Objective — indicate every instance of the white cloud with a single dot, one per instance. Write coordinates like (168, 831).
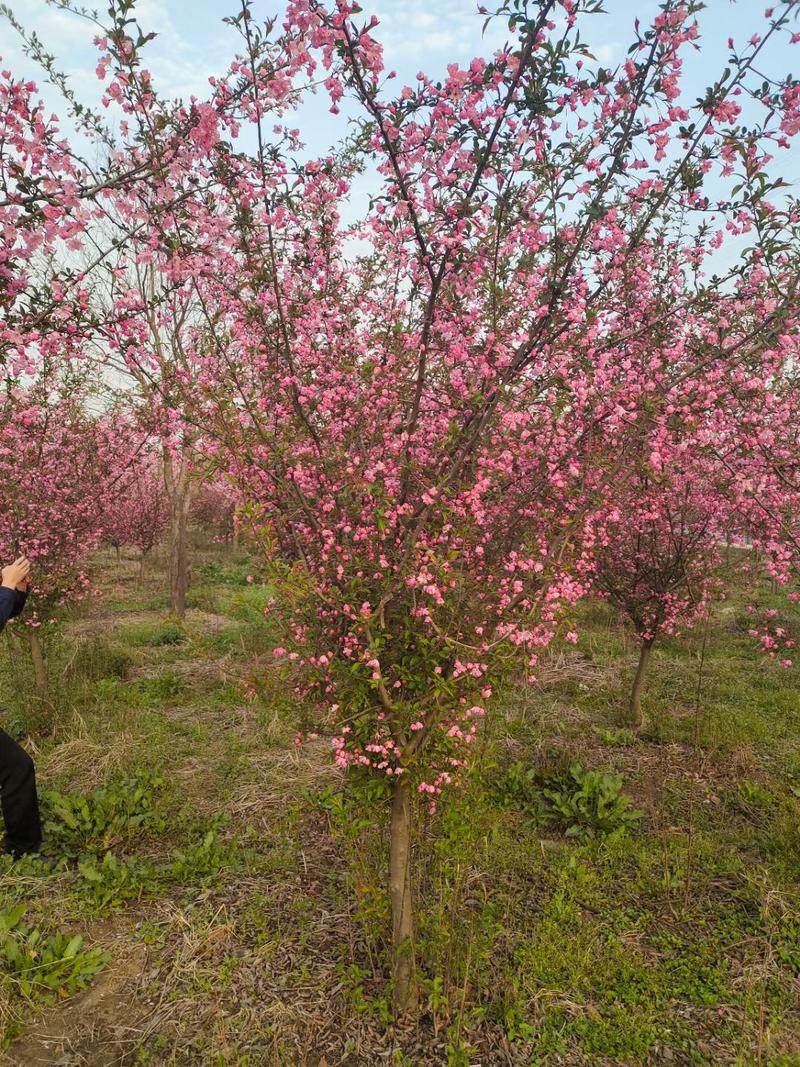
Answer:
(179, 66)
(417, 29)
(607, 54)
(61, 29)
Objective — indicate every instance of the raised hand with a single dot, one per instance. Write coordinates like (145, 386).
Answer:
(17, 574)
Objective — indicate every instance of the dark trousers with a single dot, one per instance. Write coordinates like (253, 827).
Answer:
(18, 798)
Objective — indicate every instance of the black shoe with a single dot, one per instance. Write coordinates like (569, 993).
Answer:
(18, 851)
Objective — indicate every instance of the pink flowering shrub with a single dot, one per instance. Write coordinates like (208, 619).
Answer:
(135, 509)
(776, 639)
(213, 508)
(52, 485)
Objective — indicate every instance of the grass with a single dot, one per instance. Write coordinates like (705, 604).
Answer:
(589, 896)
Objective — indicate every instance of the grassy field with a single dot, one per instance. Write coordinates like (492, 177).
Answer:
(219, 897)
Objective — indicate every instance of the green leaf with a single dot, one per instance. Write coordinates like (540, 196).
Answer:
(73, 947)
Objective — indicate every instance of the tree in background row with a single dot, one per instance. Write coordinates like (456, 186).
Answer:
(53, 483)
(137, 510)
(214, 509)
(656, 543)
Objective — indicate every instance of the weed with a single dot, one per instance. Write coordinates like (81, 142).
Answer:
(520, 787)
(204, 861)
(250, 604)
(155, 634)
(227, 573)
(591, 804)
(169, 634)
(45, 967)
(621, 736)
(355, 980)
(161, 687)
(109, 883)
(347, 809)
(459, 1053)
(754, 799)
(583, 803)
(94, 822)
(787, 948)
(98, 658)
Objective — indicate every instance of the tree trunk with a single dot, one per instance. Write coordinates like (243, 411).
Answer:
(119, 555)
(635, 707)
(405, 994)
(39, 666)
(179, 491)
(179, 568)
(235, 540)
(141, 567)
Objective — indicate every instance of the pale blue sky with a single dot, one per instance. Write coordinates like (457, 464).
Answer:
(193, 43)
(427, 34)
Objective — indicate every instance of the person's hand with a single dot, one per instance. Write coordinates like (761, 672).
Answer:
(17, 574)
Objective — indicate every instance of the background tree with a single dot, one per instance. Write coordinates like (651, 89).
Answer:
(148, 339)
(138, 511)
(655, 555)
(52, 488)
(214, 509)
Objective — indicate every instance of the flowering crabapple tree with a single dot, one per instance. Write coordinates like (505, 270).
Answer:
(655, 554)
(653, 545)
(214, 509)
(433, 475)
(777, 641)
(54, 209)
(764, 462)
(146, 339)
(764, 465)
(41, 211)
(52, 484)
(64, 218)
(418, 404)
(137, 512)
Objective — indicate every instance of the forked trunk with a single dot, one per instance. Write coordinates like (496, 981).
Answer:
(405, 994)
(39, 666)
(635, 716)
